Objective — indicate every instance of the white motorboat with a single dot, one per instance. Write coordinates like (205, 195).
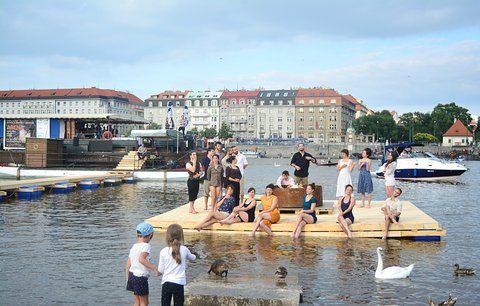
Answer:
(420, 166)
(158, 175)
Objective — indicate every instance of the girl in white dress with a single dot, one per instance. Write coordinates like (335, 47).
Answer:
(389, 173)
(344, 168)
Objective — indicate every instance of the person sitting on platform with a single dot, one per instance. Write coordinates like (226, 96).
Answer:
(143, 152)
(245, 211)
(223, 209)
(285, 180)
(307, 215)
(270, 213)
(345, 217)
(392, 210)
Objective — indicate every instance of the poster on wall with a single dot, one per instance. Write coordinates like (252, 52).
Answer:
(17, 131)
(43, 128)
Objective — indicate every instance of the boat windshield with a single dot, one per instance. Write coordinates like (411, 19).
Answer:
(407, 154)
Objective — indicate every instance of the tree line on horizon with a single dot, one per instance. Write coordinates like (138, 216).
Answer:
(413, 126)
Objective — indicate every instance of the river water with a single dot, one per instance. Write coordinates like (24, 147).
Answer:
(71, 249)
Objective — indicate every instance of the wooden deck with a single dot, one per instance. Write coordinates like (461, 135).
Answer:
(369, 222)
(6, 185)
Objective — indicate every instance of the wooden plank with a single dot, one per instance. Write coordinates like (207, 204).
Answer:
(10, 185)
(369, 222)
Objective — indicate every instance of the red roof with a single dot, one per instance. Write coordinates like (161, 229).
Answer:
(317, 92)
(239, 94)
(70, 92)
(458, 129)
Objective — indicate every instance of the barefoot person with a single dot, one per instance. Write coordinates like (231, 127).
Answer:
(194, 169)
(345, 216)
(206, 182)
(270, 213)
(307, 215)
(344, 168)
(245, 211)
(389, 173)
(365, 184)
(392, 210)
(214, 177)
(223, 208)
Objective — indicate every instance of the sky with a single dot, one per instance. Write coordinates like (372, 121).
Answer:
(403, 55)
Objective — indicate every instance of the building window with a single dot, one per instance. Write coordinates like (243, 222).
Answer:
(333, 101)
(277, 94)
(310, 101)
(301, 102)
(310, 109)
(300, 110)
(269, 94)
(285, 94)
(321, 101)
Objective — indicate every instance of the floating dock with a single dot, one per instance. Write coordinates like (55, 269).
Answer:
(49, 181)
(369, 223)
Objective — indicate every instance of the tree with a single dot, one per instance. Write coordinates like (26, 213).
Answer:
(224, 132)
(379, 123)
(443, 116)
(209, 133)
(153, 126)
(424, 137)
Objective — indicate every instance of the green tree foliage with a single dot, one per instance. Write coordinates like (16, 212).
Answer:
(224, 132)
(153, 126)
(379, 123)
(424, 137)
(443, 116)
(411, 124)
(209, 133)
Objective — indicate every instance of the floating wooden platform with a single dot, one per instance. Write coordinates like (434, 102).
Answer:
(49, 181)
(369, 222)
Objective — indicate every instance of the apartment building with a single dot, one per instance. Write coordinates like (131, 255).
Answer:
(238, 111)
(276, 113)
(204, 109)
(323, 114)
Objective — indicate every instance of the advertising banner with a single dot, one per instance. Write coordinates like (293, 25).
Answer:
(17, 131)
(43, 128)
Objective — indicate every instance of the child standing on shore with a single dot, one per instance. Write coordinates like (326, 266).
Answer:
(172, 265)
(138, 261)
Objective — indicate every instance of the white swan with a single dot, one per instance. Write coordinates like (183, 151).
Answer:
(390, 272)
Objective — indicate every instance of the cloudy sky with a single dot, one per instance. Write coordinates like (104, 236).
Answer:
(403, 55)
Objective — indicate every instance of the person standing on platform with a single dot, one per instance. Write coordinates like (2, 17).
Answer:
(218, 150)
(344, 168)
(194, 174)
(365, 184)
(301, 161)
(225, 163)
(242, 164)
(215, 177)
(206, 183)
(389, 173)
(233, 177)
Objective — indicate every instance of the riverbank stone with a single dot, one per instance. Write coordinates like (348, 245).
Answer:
(257, 290)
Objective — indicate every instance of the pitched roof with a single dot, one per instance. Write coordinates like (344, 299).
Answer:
(317, 92)
(69, 93)
(240, 93)
(458, 129)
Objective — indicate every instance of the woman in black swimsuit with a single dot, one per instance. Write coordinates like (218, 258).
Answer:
(245, 211)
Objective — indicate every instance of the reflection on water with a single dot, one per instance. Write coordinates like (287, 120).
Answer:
(72, 248)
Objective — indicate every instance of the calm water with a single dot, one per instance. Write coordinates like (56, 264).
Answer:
(71, 249)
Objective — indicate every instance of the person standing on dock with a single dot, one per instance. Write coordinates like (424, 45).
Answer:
(194, 169)
(215, 177)
(138, 263)
(218, 150)
(389, 173)
(344, 168)
(301, 161)
(206, 183)
(365, 184)
(242, 164)
(233, 177)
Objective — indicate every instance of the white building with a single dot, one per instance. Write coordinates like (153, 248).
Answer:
(457, 135)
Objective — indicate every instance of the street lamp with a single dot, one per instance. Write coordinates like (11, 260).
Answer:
(434, 123)
(378, 137)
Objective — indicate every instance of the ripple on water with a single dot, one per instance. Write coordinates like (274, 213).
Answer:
(63, 246)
